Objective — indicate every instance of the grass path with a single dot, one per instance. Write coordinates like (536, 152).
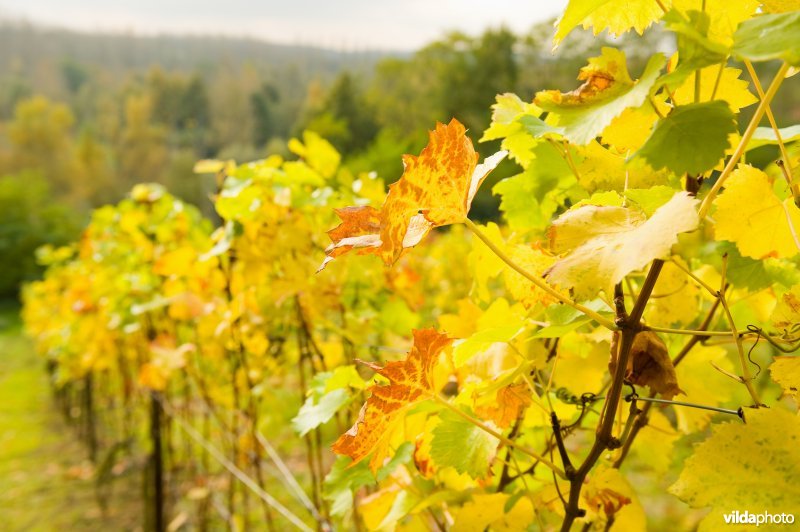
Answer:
(46, 482)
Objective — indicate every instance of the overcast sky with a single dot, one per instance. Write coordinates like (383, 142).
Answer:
(350, 24)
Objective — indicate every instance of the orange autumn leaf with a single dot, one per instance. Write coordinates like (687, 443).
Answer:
(410, 381)
(510, 402)
(436, 189)
(359, 229)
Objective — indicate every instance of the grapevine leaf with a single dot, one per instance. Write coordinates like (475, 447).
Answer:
(752, 465)
(649, 364)
(617, 16)
(360, 229)
(785, 370)
(317, 152)
(607, 243)
(675, 298)
(779, 6)
(535, 261)
(313, 414)
(755, 275)
(345, 477)
(628, 131)
(510, 402)
(767, 37)
(724, 16)
(500, 323)
(752, 216)
(603, 169)
(529, 200)
(729, 88)
(650, 199)
(342, 480)
(704, 385)
(462, 445)
(608, 495)
(606, 92)
(439, 184)
(410, 381)
(787, 312)
(692, 139)
(436, 188)
(695, 49)
(764, 136)
(487, 511)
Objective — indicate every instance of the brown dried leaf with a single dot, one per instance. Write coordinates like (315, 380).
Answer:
(649, 364)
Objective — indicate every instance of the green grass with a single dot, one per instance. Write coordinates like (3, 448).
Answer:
(46, 482)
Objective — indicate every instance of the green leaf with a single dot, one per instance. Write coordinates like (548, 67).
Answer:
(538, 127)
(462, 445)
(312, 415)
(585, 113)
(692, 139)
(695, 49)
(753, 466)
(401, 456)
(769, 37)
(343, 478)
(650, 199)
(764, 136)
(529, 200)
(754, 275)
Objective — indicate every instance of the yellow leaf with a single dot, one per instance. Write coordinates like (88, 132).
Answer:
(510, 402)
(607, 243)
(410, 381)
(753, 466)
(675, 297)
(714, 86)
(787, 312)
(628, 131)
(703, 385)
(463, 324)
(487, 511)
(178, 262)
(602, 169)
(785, 370)
(780, 6)
(751, 215)
(617, 16)
(609, 495)
(484, 263)
(318, 153)
(655, 442)
(534, 260)
(724, 15)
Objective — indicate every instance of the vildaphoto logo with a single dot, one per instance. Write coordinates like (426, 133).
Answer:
(747, 518)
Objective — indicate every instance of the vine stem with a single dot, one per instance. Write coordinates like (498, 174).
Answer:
(746, 136)
(603, 440)
(510, 443)
(746, 378)
(605, 322)
(787, 168)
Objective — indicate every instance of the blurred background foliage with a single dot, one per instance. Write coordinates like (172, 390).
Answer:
(83, 117)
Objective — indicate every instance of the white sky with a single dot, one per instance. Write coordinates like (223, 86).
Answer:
(349, 24)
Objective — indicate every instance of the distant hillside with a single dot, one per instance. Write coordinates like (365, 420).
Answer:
(25, 46)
